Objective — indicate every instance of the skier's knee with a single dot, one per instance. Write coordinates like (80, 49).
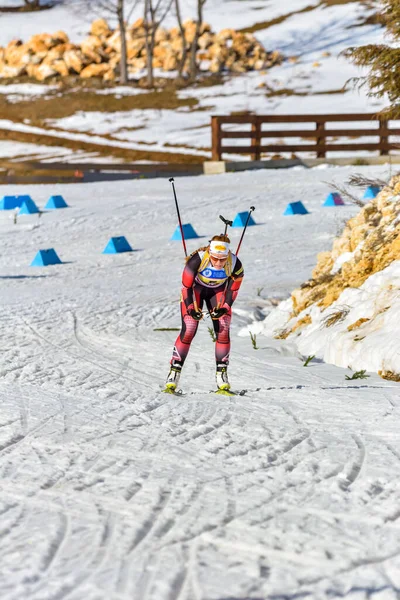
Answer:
(189, 331)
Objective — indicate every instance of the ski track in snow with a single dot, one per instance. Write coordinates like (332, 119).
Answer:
(111, 489)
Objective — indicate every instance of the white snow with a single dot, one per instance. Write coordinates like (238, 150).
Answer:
(339, 262)
(372, 346)
(113, 490)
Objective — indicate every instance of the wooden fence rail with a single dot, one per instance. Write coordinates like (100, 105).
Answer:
(323, 138)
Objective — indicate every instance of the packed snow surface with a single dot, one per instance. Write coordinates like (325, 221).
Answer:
(111, 489)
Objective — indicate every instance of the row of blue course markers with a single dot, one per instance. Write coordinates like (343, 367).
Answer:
(120, 244)
(26, 205)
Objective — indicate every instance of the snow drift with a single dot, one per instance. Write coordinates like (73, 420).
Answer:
(348, 313)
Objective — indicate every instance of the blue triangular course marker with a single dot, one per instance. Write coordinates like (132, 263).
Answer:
(9, 203)
(24, 198)
(28, 207)
(296, 208)
(46, 257)
(371, 192)
(188, 232)
(334, 199)
(241, 218)
(56, 202)
(116, 245)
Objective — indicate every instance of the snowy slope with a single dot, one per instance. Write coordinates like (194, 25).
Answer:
(112, 490)
(356, 325)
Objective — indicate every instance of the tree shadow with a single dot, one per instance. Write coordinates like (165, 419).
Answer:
(22, 276)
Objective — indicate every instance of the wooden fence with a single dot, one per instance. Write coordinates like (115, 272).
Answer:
(323, 139)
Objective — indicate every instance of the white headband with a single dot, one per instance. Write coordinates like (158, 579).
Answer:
(219, 249)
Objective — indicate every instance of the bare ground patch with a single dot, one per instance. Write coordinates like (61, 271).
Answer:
(66, 102)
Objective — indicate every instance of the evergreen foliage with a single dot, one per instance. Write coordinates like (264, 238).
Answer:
(383, 60)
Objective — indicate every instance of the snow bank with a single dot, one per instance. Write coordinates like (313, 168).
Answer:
(348, 313)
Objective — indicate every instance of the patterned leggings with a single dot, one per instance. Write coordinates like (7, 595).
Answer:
(211, 296)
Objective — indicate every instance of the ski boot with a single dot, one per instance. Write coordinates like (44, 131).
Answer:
(221, 377)
(173, 379)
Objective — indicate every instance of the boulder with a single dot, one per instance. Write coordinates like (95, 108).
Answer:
(74, 60)
(60, 67)
(176, 44)
(218, 51)
(206, 40)
(137, 64)
(56, 53)
(7, 72)
(109, 75)
(158, 63)
(96, 70)
(238, 67)
(134, 48)
(59, 37)
(93, 42)
(38, 46)
(190, 30)
(205, 28)
(138, 24)
(40, 72)
(216, 66)
(170, 62)
(224, 35)
(115, 60)
(91, 55)
(162, 35)
(100, 28)
(114, 41)
(17, 55)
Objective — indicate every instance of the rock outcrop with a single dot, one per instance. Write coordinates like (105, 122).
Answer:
(45, 55)
(348, 313)
(370, 242)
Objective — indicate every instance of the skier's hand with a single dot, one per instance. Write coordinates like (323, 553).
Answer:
(217, 313)
(197, 315)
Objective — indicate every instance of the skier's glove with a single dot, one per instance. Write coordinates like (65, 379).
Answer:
(197, 315)
(217, 313)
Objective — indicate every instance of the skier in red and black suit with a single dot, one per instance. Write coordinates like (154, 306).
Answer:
(212, 275)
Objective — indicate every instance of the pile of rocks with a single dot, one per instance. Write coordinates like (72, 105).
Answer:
(45, 56)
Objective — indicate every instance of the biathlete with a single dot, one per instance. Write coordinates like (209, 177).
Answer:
(212, 275)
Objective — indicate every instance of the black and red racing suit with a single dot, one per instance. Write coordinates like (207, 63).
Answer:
(194, 291)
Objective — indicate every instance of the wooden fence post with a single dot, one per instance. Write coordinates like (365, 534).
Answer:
(384, 136)
(320, 138)
(216, 153)
(256, 138)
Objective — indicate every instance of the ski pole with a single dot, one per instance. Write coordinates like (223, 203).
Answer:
(171, 179)
(244, 230)
(220, 303)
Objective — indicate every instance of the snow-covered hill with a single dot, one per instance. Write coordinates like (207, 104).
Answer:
(348, 312)
(113, 490)
(310, 33)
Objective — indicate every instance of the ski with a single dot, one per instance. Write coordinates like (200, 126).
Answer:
(229, 392)
(172, 392)
(180, 393)
(224, 392)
